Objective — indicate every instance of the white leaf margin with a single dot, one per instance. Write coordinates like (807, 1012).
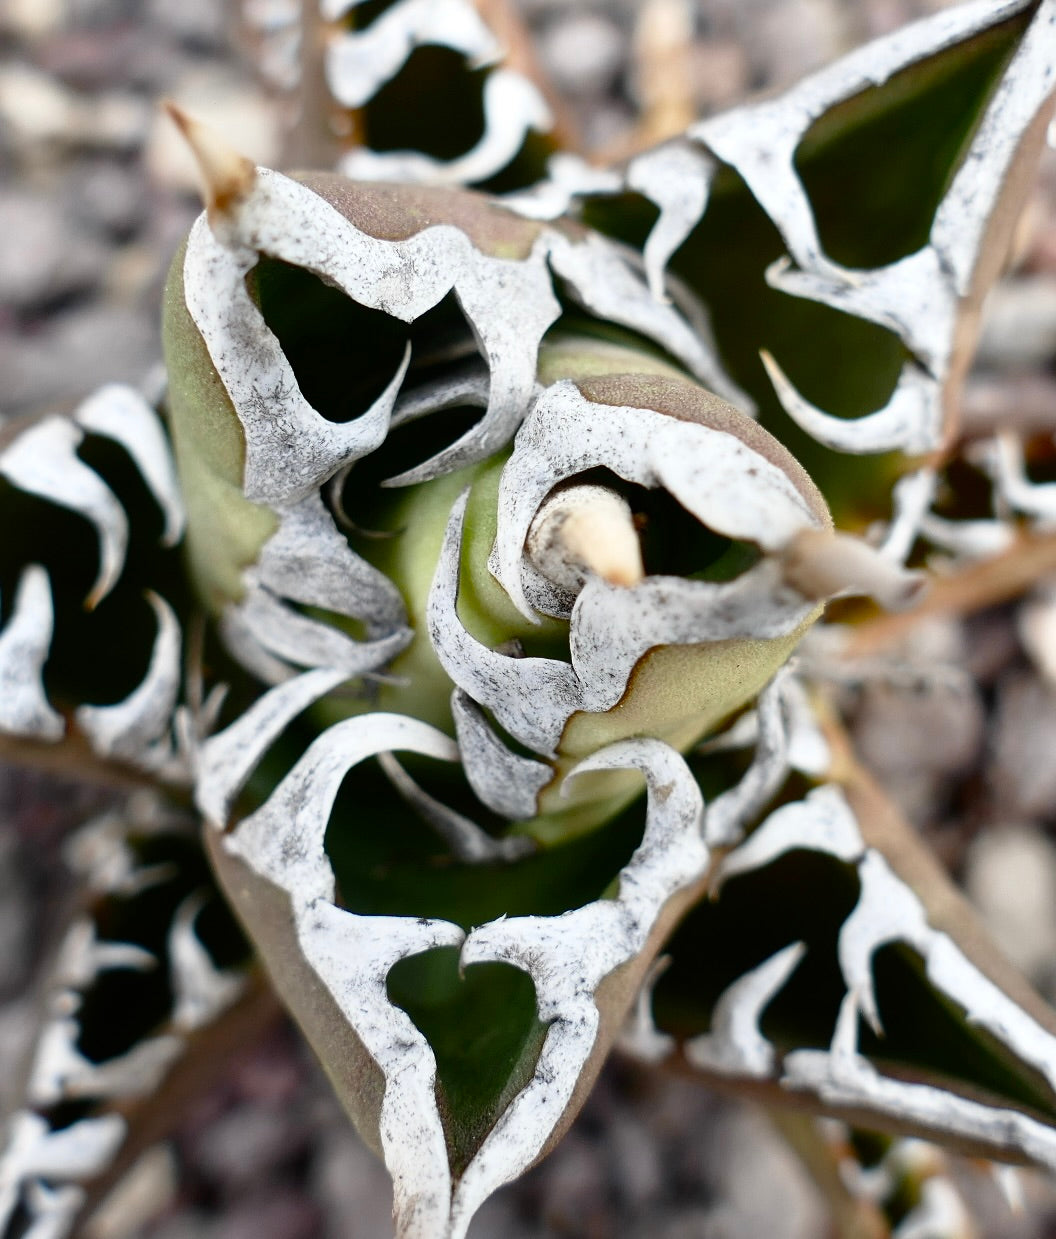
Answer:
(567, 956)
(840, 1078)
(919, 297)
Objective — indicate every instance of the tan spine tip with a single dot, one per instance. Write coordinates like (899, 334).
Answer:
(821, 564)
(226, 176)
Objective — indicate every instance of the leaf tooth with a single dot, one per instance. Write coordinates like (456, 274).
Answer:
(43, 461)
(201, 990)
(81, 1150)
(242, 644)
(226, 760)
(25, 641)
(130, 729)
(677, 178)
(911, 499)
(568, 177)
(605, 283)
(735, 1045)
(485, 289)
(308, 561)
(640, 1038)
(887, 911)
(36, 1154)
(910, 421)
(733, 810)
(1003, 460)
(612, 627)
(822, 822)
(843, 1080)
(285, 633)
(83, 955)
(911, 298)
(120, 413)
(61, 1072)
(501, 779)
(468, 386)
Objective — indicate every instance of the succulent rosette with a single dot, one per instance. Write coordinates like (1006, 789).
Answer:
(559, 599)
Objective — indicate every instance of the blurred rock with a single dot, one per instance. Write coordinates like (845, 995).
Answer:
(248, 1145)
(31, 19)
(39, 112)
(1010, 876)
(575, 1189)
(1022, 772)
(201, 24)
(915, 740)
(786, 40)
(351, 1185)
(1014, 401)
(107, 198)
(1036, 623)
(75, 354)
(16, 917)
(1019, 323)
(583, 53)
(43, 256)
(280, 1213)
(138, 1199)
(763, 1188)
(721, 73)
(635, 1168)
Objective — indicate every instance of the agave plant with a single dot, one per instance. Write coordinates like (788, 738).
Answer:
(496, 493)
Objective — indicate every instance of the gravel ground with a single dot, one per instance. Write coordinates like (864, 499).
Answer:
(94, 196)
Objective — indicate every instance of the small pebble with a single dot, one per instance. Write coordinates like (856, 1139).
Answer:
(43, 256)
(1022, 773)
(583, 53)
(1010, 876)
(1019, 323)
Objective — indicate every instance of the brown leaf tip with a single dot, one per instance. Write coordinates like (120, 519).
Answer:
(226, 176)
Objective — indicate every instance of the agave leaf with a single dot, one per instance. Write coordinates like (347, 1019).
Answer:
(448, 1141)
(884, 1003)
(144, 1000)
(286, 458)
(870, 206)
(132, 730)
(53, 465)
